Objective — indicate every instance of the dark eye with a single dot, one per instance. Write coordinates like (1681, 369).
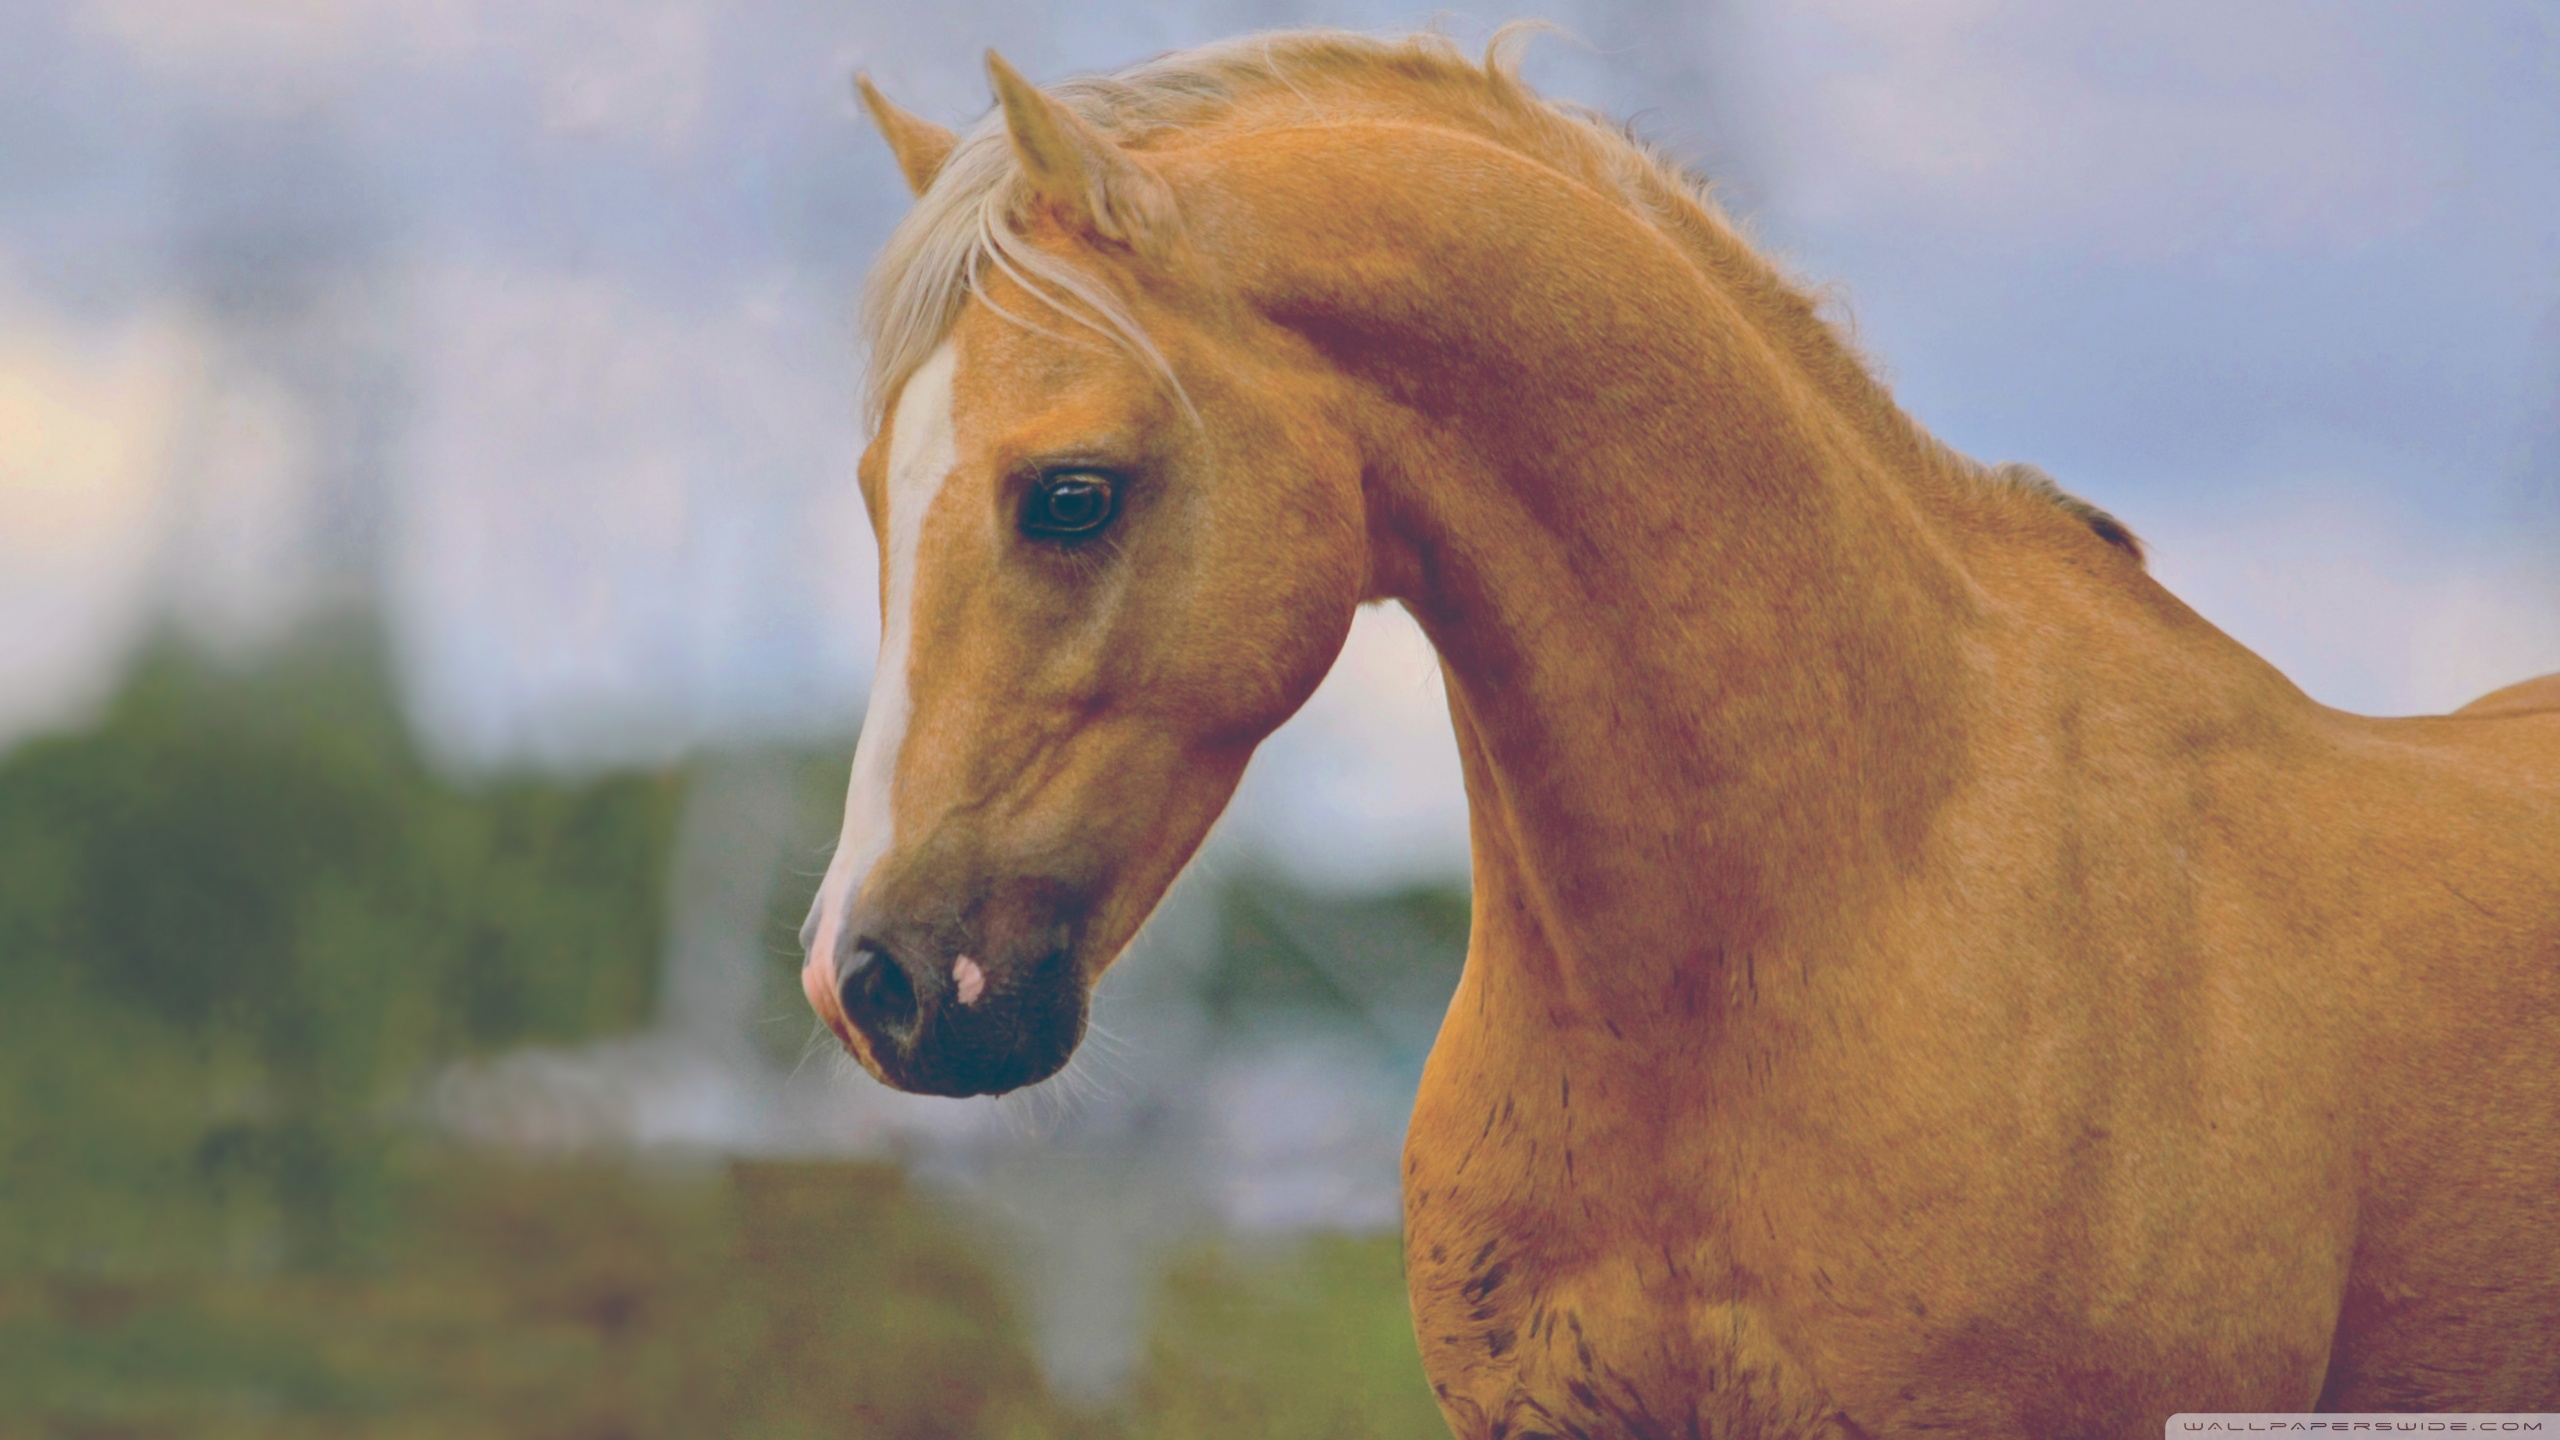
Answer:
(1068, 505)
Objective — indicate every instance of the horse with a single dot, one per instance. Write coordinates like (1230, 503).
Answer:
(1924, 979)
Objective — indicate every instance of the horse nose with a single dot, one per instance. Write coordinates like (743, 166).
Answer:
(928, 1019)
(878, 996)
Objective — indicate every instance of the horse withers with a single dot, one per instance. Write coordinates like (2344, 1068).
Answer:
(1923, 979)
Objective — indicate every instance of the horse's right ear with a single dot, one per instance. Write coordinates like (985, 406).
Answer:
(920, 145)
(1099, 187)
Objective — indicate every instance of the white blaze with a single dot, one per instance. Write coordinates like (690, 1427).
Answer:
(921, 456)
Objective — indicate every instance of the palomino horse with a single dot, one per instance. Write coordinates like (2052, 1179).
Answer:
(1923, 980)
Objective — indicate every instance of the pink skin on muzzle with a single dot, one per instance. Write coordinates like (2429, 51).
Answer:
(818, 980)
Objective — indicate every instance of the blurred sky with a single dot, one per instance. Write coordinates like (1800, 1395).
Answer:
(530, 320)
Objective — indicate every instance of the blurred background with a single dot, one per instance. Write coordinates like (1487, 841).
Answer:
(434, 610)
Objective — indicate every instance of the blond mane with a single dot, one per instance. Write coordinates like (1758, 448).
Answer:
(971, 221)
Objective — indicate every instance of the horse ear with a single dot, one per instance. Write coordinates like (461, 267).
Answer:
(1099, 187)
(920, 145)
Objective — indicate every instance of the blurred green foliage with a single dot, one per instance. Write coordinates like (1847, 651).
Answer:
(239, 915)
(1304, 1343)
(240, 919)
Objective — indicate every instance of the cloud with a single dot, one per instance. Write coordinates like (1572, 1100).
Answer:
(2361, 599)
(626, 525)
(2134, 131)
(209, 35)
(635, 70)
(282, 55)
(87, 423)
(643, 73)
(244, 559)
(1362, 789)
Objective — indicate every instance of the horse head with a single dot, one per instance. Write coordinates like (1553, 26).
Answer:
(1121, 541)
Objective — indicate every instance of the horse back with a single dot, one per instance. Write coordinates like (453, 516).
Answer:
(2523, 698)
(2456, 1290)
(2448, 840)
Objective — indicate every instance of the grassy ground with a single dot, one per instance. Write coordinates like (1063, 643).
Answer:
(595, 1302)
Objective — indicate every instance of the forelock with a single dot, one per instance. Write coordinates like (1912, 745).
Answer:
(969, 224)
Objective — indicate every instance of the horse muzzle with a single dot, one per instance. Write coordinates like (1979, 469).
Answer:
(952, 1014)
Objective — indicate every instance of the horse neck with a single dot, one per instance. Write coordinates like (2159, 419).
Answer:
(1700, 626)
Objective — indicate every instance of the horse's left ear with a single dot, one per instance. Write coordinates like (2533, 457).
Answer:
(1097, 186)
(920, 145)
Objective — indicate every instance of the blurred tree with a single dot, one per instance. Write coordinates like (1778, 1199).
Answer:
(236, 919)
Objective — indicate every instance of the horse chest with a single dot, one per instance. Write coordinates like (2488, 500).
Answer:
(1560, 1289)
(1524, 1338)
(1583, 1263)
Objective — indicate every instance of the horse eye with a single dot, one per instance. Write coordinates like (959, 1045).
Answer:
(1068, 505)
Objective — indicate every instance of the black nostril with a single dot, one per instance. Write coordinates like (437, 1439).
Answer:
(876, 992)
